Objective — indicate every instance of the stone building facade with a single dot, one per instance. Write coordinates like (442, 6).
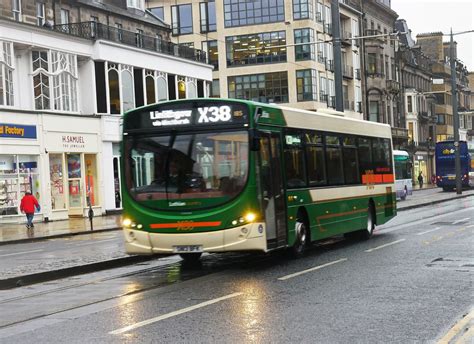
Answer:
(68, 71)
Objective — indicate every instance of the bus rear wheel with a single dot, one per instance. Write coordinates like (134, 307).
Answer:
(191, 258)
(366, 233)
(301, 233)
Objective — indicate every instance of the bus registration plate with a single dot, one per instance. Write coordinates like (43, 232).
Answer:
(187, 248)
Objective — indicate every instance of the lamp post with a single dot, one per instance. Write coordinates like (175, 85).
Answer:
(457, 158)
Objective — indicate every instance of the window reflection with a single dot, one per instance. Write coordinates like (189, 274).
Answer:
(269, 47)
(266, 88)
(240, 13)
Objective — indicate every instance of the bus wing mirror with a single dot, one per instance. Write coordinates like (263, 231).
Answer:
(254, 140)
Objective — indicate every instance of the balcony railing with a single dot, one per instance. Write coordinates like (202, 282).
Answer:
(359, 107)
(346, 38)
(347, 71)
(393, 85)
(332, 102)
(92, 30)
(323, 97)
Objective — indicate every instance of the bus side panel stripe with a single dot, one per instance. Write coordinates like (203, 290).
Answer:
(186, 223)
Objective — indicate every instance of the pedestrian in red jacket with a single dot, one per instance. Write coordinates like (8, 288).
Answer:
(27, 206)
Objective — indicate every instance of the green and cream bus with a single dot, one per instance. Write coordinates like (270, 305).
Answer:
(219, 175)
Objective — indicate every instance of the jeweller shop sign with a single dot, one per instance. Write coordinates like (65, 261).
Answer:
(17, 131)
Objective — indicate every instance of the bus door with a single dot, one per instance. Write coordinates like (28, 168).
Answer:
(271, 174)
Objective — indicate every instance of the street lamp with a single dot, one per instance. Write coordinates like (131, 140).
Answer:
(457, 156)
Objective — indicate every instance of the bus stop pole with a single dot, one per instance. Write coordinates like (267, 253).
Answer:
(457, 157)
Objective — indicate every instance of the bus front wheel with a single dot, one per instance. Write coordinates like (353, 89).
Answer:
(301, 233)
(191, 258)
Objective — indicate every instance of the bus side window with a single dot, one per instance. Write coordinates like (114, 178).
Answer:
(364, 150)
(294, 161)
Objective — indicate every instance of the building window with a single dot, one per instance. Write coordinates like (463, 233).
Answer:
(16, 9)
(210, 47)
(139, 4)
(241, 13)
(371, 63)
(303, 9)
(215, 91)
(208, 16)
(64, 16)
(373, 111)
(156, 87)
(114, 89)
(6, 73)
(306, 85)
(266, 88)
(182, 19)
(139, 38)
(304, 51)
(54, 80)
(269, 47)
(118, 26)
(39, 13)
(410, 104)
(158, 12)
(127, 87)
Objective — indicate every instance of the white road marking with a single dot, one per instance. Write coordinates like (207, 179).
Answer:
(173, 314)
(284, 278)
(431, 230)
(18, 253)
(389, 244)
(469, 226)
(462, 220)
(420, 221)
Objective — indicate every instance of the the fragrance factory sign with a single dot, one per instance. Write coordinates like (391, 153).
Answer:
(17, 131)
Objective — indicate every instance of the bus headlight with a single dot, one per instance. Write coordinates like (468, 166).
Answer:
(127, 222)
(247, 218)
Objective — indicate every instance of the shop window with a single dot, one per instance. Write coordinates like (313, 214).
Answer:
(18, 174)
(114, 91)
(6, 73)
(74, 172)
(181, 87)
(100, 87)
(58, 199)
(92, 189)
(171, 86)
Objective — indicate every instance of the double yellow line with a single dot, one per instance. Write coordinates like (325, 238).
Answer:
(455, 335)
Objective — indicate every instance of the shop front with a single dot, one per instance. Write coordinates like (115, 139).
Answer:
(74, 163)
(421, 165)
(20, 163)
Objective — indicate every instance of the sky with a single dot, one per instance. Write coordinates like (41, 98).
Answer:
(441, 15)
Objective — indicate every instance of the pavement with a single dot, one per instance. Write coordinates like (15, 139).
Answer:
(61, 249)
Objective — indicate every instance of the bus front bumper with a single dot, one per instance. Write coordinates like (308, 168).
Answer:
(249, 237)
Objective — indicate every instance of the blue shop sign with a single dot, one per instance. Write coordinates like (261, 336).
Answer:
(18, 131)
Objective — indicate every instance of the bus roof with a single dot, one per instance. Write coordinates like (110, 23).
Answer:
(319, 120)
(400, 152)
